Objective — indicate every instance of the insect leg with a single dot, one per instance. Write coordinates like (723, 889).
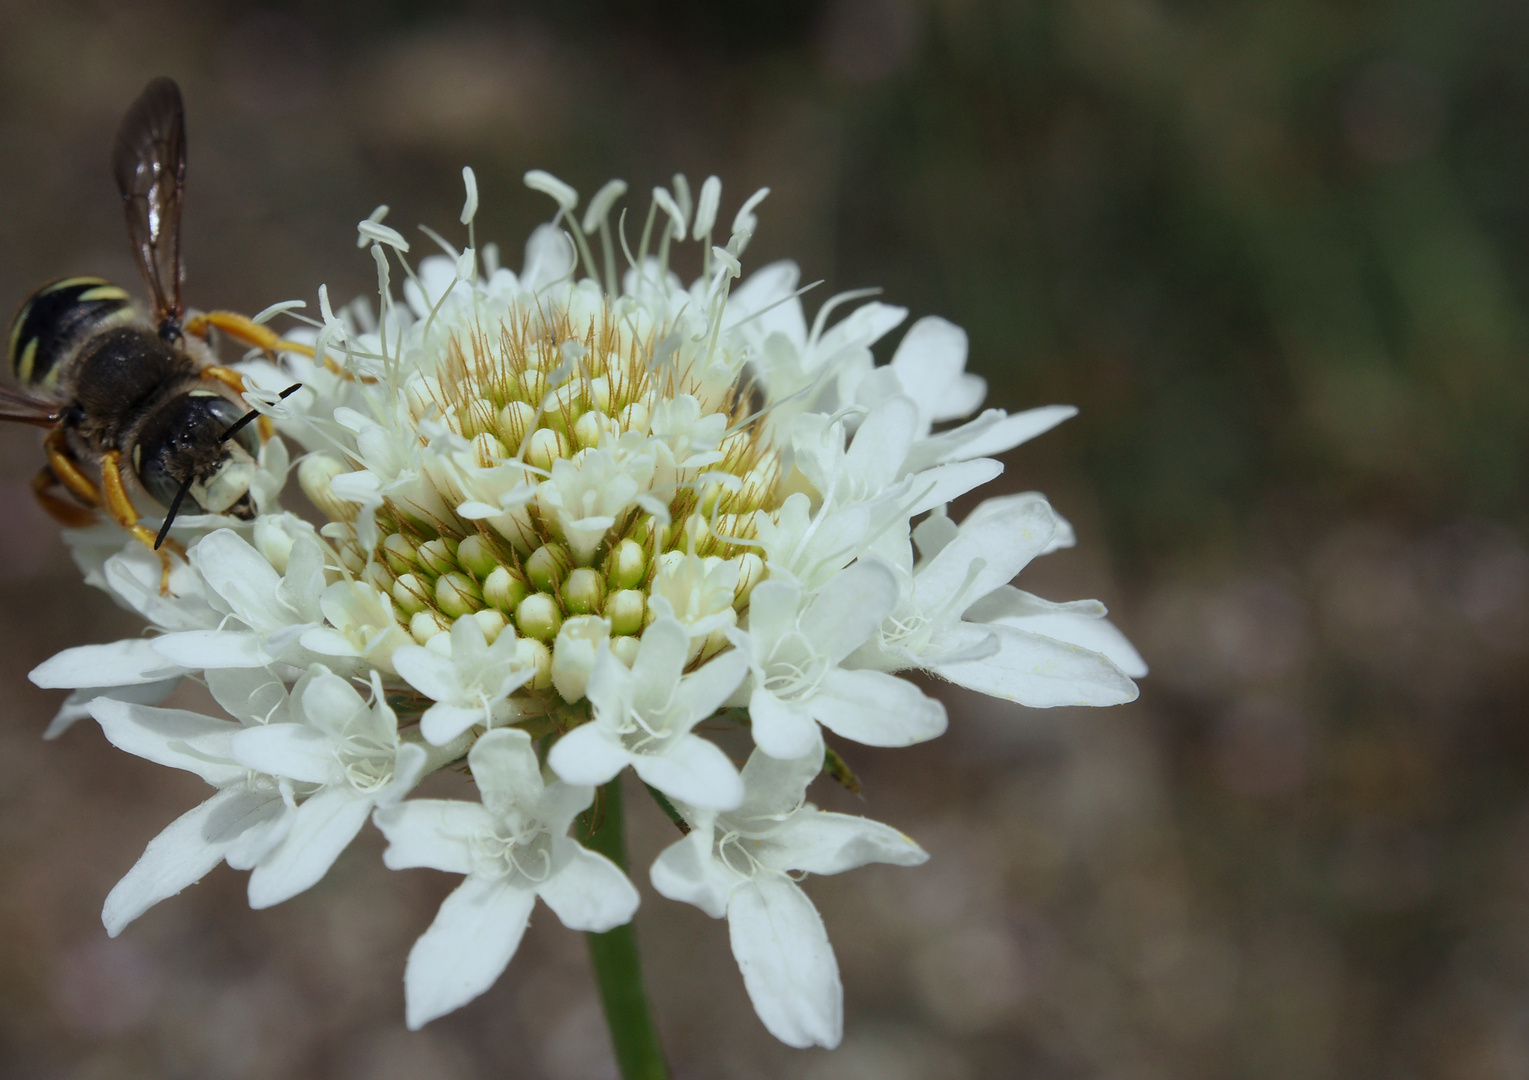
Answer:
(69, 514)
(67, 471)
(250, 332)
(124, 513)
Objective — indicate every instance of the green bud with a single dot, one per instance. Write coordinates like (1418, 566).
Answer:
(477, 556)
(504, 590)
(424, 625)
(625, 649)
(583, 591)
(546, 447)
(625, 610)
(491, 622)
(455, 594)
(751, 571)
(628, 565)
(437, 556)
(532, 653)
(548, 566)
(538, 617)
(398, 552)
(410, 593)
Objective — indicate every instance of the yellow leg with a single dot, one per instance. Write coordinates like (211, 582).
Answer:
(230, 377)
(241, 328)
(124, 513)
(70, 514)
(67, 472)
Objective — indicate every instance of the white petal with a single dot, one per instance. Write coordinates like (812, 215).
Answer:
(876, 709)
(291, 750)
(1011, 431)
(850, 608)
(1040, 672)
(781, 729)
(443, 722)
(988, 550)
(213, 649)
(773, 786)
(687, 872)
(505, 768)
(703, 691)
(587, 891)
(881, 444)
(133, 662)
(173, 737)
(187, 849)
(433, 833)
(588, 755)
(322, 827)
(1096, 635)
(467, 947)
(820, 842)
(929, 360)
(242, 576)
(430, 673)
(788, 966)
(77, 705)
(693, 771)
(945, 483)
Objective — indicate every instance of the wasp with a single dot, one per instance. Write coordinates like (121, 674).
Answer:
(111, 382)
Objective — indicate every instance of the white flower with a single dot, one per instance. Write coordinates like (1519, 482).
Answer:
(1008, 654)
(513, 847)
(795, 646)
(644, 718)
(270, 611)
(468, 685)
(350, 752)
(742, 864)
(248, 816)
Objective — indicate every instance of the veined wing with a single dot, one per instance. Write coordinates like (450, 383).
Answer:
(149, 161)
(21, 408)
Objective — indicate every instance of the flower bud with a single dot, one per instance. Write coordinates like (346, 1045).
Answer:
(315, 475)
(440, 643)
(422, 394)
(455, 594)
(410, 593)
(532, 653)
(573, 655)
(398, 552)
(625, 610)
(547, 566)
(504, 590)
(583, 591)
(546, 447)
(628, 565)
(625, 649)
(751, 571)
(487, 450)
(476, 556)
(537, 617)
(491, 622)
(634, 417)
(377, 576)
(437, 556)
(564, 406)
(514, 421)
(351, 557)
(424, 625)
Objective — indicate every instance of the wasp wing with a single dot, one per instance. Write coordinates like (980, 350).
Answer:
(149, 161)
(26, 409)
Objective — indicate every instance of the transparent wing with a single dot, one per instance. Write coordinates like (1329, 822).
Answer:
(149, 161)
(23, 408)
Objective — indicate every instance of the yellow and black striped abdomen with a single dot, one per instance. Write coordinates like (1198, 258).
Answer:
(56, 320)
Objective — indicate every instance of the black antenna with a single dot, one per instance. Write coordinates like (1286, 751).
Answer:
(238, 425)
(175, 505)
(234, 428)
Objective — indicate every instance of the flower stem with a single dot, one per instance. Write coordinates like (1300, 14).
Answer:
(618, 968)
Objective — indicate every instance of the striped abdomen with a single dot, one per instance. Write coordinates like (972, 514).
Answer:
(51, 326)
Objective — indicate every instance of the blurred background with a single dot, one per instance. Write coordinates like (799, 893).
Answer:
(1277, 252)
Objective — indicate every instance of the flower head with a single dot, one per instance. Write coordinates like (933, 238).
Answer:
(578, 518)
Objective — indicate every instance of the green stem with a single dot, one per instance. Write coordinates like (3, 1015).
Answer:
(618, 969)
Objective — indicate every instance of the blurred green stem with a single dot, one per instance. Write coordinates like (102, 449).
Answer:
(618, 969)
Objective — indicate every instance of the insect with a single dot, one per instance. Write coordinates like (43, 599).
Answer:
(110, 382)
